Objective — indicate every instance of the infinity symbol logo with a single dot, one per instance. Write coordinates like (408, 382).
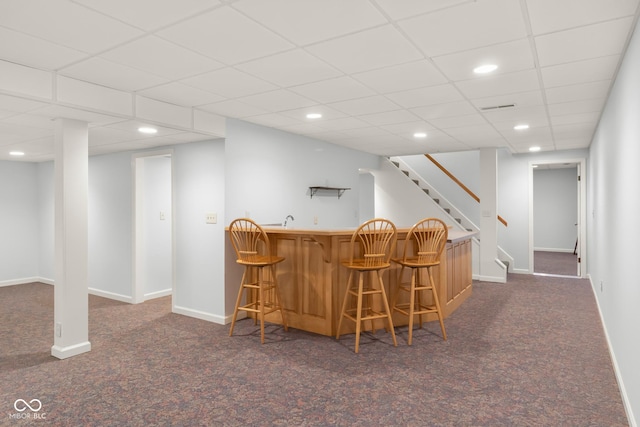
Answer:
(37, 405)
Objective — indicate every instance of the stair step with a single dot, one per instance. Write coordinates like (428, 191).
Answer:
(447, 210)
(426, 191)
(406, 172)
(437, 201)
(468, 229)
(459, 220)
(396, 164)
(416, 181)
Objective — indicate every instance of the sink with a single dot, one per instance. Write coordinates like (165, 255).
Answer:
(279, 224)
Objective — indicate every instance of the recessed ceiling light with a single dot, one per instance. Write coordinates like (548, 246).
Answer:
(16, 153)
(147, 130)
(484, 69)
(521, 127)
(420, 135)
(535, 166)
(536, 148)
(314, 115)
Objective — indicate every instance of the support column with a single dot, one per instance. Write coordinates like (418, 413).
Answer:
(71, 295)
(490, 268)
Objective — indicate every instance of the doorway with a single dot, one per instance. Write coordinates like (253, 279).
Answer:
(557, 218)
(153, 265)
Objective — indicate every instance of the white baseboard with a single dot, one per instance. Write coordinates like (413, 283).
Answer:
(616, 369)
(553, 250)
(495, 279)
(201, 315)
(111, 295)
(69, 351)
(521, 271)
(24, 280)
(157, 294)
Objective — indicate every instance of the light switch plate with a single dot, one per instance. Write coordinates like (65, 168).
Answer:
(212, 218)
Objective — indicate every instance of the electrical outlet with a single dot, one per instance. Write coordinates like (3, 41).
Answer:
(59, 330)
(315, 220)
(601, 285)
(212, 218)
(162, 216)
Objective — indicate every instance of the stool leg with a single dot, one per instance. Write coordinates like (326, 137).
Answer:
(359, 310)
(344, 304)
(412, 304)
(437, 302)
(261, 304)
(386, 307)
(235, 311)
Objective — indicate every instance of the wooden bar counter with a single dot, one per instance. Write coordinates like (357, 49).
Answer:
(313, 282)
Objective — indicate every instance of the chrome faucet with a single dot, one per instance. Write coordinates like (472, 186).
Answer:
(289, 217)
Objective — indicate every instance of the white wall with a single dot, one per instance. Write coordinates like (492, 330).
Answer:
(612, 223)
(269, 173)
(18, 222)
(555, 207)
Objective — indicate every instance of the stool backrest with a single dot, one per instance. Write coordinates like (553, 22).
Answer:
(377, 240)
(249, 240)
(426, 241)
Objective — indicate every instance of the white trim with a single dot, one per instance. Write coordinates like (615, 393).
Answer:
(520, 271)
(201, 315)
(26, 280)
(569, 251)
(157, 294)
(582, 210)
(623, 392)
(495, 279)
(111, 295)
(70, 351)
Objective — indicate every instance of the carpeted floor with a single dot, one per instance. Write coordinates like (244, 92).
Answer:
(527, 353)
(561, 263)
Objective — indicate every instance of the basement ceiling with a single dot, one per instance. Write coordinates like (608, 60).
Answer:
(378, 71)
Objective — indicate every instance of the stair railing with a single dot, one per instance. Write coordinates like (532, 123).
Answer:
(457, 181)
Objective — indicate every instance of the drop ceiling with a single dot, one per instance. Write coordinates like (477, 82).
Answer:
(377, 70)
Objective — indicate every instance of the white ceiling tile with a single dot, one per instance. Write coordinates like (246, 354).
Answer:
(575, 118)
(96, 97)
(157, 56)
(589, 70)
(458, 121)
(572, 143)
(466, 26)
(132, 126)
(538, 135)
(291, 68)
(389, 117)
(576, 107)
(426, 96)
(59, 111)
(163, 112)
(578, 92)
(333, 90)
(211, 123)
(226, 36)
(407, 129)
(19, 105)
(110, 74)
(401, 77)
(501, 84)
(277, 100)
(459, 108)
(603, 39)
(475, 133)
(35, 52)
(366, 50)
(309, 21)
(232, 108)
(403, 9)
(361, 106)
(181, 94)
(575, 130)
(327, 113)
(229, 82)
(149, 14)
(343, 123)
(509, 57)
(23, 80)
(273, 120)
(523, 99)
(507, 118)
(70, 27)
(551, 15)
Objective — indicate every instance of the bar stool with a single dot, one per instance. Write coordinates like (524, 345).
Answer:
(423, 248)
(371, 247)
(253, 251)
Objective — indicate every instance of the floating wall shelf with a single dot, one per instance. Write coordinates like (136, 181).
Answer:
(338, 190)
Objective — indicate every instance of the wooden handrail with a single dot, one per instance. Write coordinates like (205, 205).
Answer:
(457, 181)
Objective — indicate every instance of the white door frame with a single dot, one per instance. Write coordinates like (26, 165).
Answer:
(139, 248)
(582, 211)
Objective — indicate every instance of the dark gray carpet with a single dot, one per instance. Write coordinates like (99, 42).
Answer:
(562, 263)
(527, 353)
